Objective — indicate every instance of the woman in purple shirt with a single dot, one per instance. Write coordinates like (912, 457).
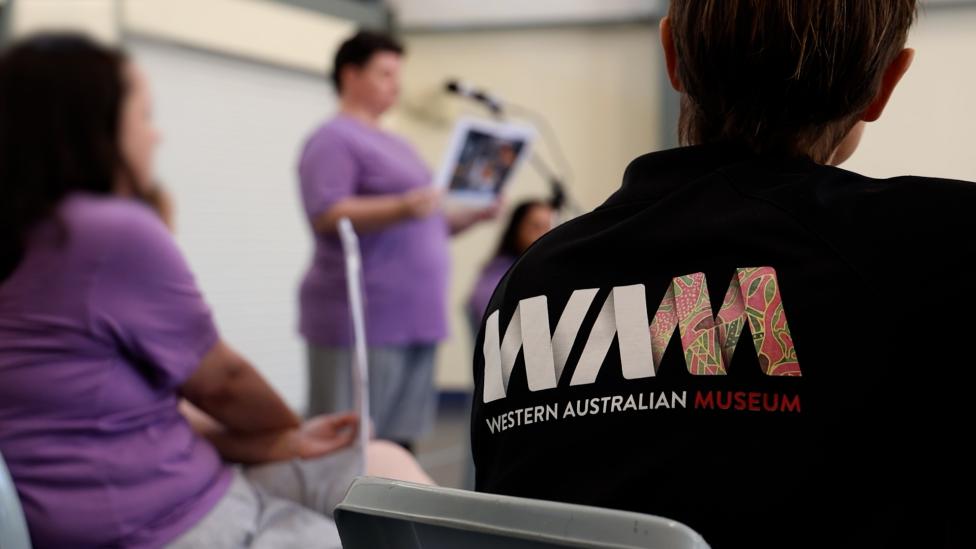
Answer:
(352, 168)
(529, 221)
(119, 402)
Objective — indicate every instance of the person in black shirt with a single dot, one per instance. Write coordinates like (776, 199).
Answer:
(745, 338)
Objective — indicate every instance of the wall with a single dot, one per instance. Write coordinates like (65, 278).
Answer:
(927, 128)
(232, 131)
(262, 30)
(95, 17)
(234, 127)
(597, 87)
(257, 29)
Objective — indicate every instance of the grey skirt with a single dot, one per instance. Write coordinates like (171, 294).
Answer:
(402, 396)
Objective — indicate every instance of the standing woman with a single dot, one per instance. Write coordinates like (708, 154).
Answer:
(350, 167)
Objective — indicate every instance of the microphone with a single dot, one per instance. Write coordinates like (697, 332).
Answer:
(460, 88)
(557, 198)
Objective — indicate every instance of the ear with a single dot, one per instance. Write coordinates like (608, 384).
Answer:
(670, 56)
(349, 73)
(891, 77)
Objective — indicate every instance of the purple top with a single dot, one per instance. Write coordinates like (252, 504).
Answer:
(489, 278)
(405, 266)
(100, 324)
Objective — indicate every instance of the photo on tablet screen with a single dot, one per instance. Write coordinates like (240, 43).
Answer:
(485, 162)
(482, 158)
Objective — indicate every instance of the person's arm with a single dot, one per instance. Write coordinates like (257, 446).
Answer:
(230, 390)
(232, 406)
(462, 219)
(330, 174)
(371, 213)
(276, 445)
(316, 437)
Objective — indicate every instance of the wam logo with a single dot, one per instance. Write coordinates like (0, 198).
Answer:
(708, 341)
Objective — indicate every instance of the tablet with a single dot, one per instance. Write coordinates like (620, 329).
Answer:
(481, 158)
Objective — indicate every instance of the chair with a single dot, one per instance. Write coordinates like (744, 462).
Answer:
(380, 514)
(13, 528)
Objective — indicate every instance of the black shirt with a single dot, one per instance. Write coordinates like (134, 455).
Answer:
(839, 413)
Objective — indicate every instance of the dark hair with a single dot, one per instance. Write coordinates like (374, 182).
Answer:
(358, 50)
(784, 76)
(508, 245)
(60, 101)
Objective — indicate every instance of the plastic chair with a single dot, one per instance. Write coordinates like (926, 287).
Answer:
(379, 513)
(13, 527)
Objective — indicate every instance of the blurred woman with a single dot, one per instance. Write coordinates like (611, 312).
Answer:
(351, 167)
(529, 221)
(105, 339)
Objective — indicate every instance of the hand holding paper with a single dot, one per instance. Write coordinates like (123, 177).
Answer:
(420, 203)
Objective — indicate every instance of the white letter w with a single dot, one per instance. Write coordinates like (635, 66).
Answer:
(624, 314)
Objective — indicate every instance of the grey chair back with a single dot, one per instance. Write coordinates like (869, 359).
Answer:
(386, 514)
(13, 527)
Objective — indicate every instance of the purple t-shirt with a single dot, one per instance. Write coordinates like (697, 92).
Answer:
(100, 324)
(405, 266)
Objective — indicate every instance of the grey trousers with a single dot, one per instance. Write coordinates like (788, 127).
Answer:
(402, 396)
(279, 505)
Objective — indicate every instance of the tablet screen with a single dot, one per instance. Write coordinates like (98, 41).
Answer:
(482, 157)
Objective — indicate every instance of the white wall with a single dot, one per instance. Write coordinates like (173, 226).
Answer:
(258, 29)
(927, 128)
(232, 131)
(596, 85)
(95, 17)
